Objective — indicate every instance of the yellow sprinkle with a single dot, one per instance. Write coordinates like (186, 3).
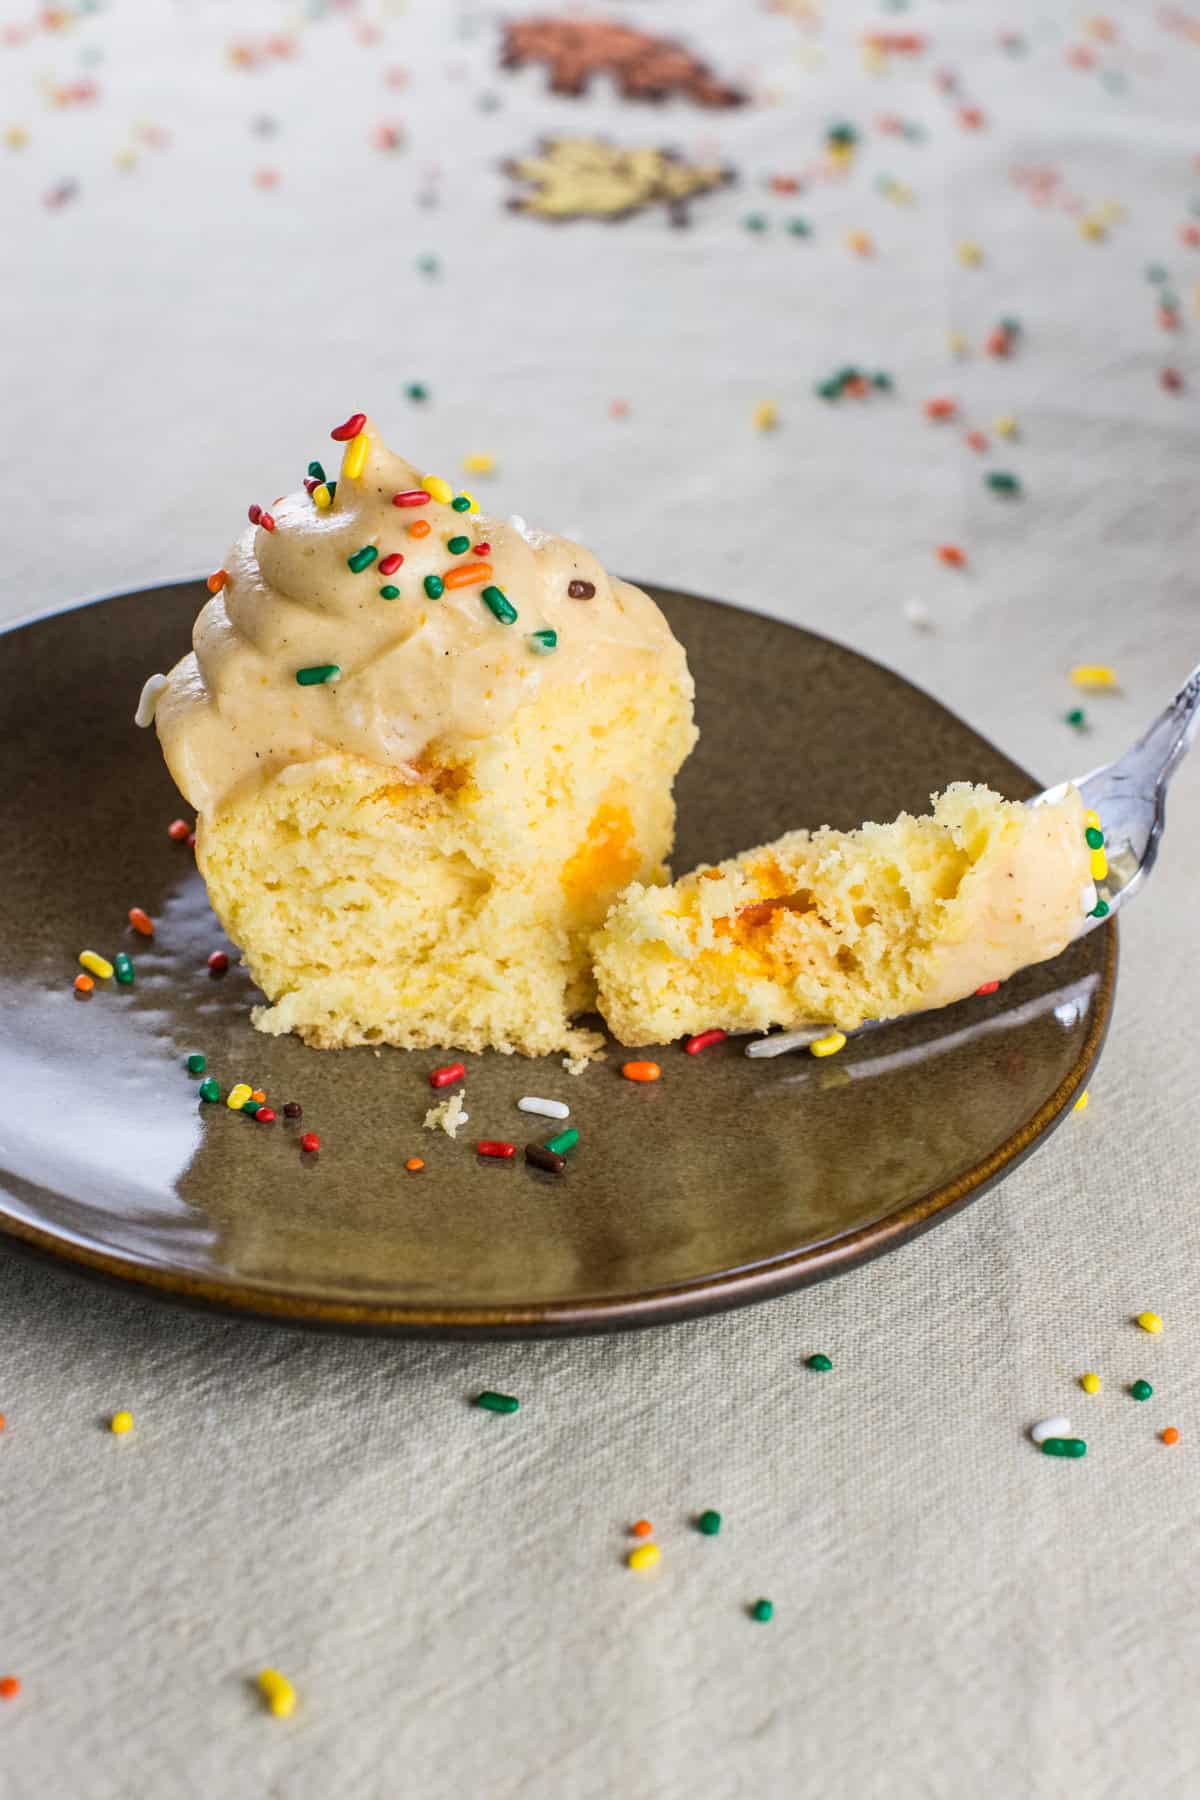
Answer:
(1091, 228)
(1093, 675)
(873, 58)
(1098, 864)
(238, 1096)
(956, 343)
(16, 137)
(900, 192)
(841, 154)
(1111, 210)
(96, 965)
(277, 1691)
(125, 158)
(1005, 425)
(437, 489)
(120, 1423)
(969, 254)
(644, 1557)
(355, 457)
(479, 463)
(322, 498)
(1149, 1321)
(829, 1045)
(1090, 1383)
(766, 416)
(1091, 820)
(472, 502)
(1081, 1104)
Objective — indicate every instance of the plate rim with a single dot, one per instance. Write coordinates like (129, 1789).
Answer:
(607, 1312)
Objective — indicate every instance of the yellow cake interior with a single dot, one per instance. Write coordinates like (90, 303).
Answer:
(454, 909)
(839, 927)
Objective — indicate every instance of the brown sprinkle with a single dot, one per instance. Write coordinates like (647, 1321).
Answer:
(541, 1158)
(581, 590)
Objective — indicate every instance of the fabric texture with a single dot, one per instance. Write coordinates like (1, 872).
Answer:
(956, 1615)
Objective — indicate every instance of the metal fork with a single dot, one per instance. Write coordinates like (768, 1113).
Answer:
(1130, 795)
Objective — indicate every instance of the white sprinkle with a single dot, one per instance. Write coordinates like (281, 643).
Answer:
(447, 1115)
(149, 701)
(552, 1109)
(1087, 897)
(918, 615)
(1048, 1428)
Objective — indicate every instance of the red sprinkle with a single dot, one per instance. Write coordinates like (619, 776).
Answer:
(493, 1147)
(1168, 318)
(218, 962)
(391, 563)
(178, 829)
(10, 1687)
(341, 434)
(310, 1141)
(217, 581)
(941, 409)
(952, 556)
(977, 440)
(141, 921)
(254, 514)
(446, 1074)
(191, 840)
(998, 342)
(411, 497)
(264, 1116)
(1172, 380)
(310, 482)
(1190, 234)
(987, 987)
(266, 521)
(702, 1039)
(481, 549)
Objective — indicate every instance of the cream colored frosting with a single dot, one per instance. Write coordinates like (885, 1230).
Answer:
(417, 675)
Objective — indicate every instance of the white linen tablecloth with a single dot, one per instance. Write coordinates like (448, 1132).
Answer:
(955, 1615)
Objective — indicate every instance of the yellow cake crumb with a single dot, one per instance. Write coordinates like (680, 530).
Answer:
(447, 1115)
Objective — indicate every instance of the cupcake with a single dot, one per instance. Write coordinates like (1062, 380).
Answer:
(426, 749)
(835, 928)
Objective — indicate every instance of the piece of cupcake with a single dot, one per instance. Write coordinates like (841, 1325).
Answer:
(426, 750)
(838, 927)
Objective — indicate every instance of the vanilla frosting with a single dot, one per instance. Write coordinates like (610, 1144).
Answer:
(416, 675)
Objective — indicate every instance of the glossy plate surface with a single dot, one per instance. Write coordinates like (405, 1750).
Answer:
(727, 1181)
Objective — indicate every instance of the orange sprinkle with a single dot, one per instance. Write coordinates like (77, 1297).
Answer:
(419, 528)
(217, 580)
(952, 556)
(977, 440)
(414, 1163)
(641, 1071)
(141, 921)
(1, 1421)
(642, 1528)
(940, 409)
(467, 575)
(10, 1687)
(1170, 1435)
(259, 1094)
(857, 385)
(84, 984)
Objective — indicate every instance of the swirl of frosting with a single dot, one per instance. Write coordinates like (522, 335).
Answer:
(437, 665)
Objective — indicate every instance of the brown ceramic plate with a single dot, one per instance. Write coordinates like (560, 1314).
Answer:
(726, 1182)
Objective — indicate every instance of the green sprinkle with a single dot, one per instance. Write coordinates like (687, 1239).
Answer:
(709, 1523)
(562, 1141)
(843, 134)
(460, 503)
(1100, 910)
(389, 592)
(799, 227)
(458, 546)
(332, 486)
(316, 471)
(1141, 1390)
(1077, 717)
(881, 379)
(429, 265)
(829, 390)
(317, 673)
(498, 602)
(755, 222)
(1155, 272)
(197, 1062)
(362, 559)
(1063, 1447)
(1169, 300)
(497, 1403)
(123, 968)
(1001, 482)
(543, 642)
(416, 390)
(1093, 838)
(434, 586)
(1011, 327)
(210, 1089)
(762, 1612)
(915, 134)
(819, 1361)
(849, 373)
(250, 1106)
